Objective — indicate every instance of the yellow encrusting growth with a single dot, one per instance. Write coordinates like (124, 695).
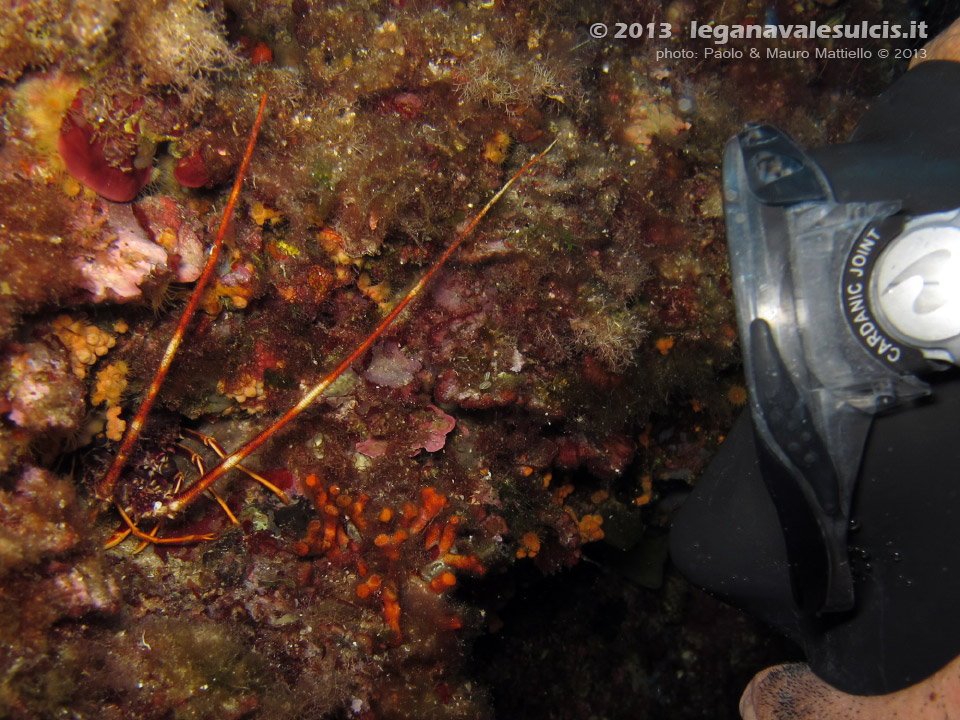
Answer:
(530, 545)
(86, 343)
(262, 214)
(215, 295)
(115, 426)
(665, 345)
(111, 384)
(71, 186)
(644, 498)
(42, 102)
(590, 529)
(332, 244)
(243, 389)
(496, 148)
(379, 293)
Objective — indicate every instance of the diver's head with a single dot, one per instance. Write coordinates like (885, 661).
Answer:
(831, 510)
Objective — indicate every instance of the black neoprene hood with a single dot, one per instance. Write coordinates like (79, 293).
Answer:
(737, 535)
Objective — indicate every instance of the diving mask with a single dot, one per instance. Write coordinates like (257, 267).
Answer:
(846, 274)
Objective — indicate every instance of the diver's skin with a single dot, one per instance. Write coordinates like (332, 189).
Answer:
(793, 692)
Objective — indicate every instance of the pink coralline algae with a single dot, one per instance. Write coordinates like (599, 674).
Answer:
(427, 430)
(431, 428)
(125, 252)
(124, 258)
(81, 589)
(176, 228)
(390, 367)
(372, 447)
(39, 390)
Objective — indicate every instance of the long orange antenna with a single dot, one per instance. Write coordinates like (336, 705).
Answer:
(231, 461)
(109, 482)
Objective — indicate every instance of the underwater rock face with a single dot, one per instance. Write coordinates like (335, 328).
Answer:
(41, 392)
(575, 356)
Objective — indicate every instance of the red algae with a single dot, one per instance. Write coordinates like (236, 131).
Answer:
(86, 160)
(574, 360)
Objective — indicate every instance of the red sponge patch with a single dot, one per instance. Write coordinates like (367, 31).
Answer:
(83, 154)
